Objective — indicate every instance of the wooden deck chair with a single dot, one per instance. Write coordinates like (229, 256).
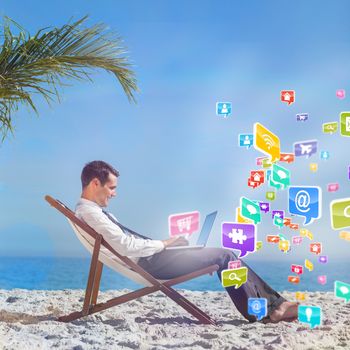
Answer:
(95, 244)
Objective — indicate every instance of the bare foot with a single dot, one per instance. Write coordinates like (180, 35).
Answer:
(287, 311)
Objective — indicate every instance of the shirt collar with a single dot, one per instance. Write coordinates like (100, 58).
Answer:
(84, 201)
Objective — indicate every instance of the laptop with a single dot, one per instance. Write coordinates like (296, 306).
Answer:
(204, 235)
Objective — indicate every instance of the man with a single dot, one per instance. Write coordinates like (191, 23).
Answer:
(99, 182)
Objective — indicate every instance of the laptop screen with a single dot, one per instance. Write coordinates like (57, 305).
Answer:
(206, 228)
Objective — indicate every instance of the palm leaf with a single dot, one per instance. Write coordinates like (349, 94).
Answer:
(41, 63)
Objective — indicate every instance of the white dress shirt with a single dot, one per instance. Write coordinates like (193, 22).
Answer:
(125, 244)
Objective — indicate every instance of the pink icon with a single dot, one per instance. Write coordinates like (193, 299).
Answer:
(340, 93)
(182, 224)
(298, 269)
(259, 160)
(234, 264)
(297, 239)
(322, 279)
(333, 187)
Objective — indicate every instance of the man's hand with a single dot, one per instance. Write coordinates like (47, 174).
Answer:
(175, 241)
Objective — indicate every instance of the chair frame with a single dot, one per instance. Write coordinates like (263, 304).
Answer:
(90, 305)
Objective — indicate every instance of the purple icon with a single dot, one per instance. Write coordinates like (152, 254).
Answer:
(301, 117)
(305, 148)
(264, 206)
(278, 213)
(323, 259)
(239, 236)
(349, 172)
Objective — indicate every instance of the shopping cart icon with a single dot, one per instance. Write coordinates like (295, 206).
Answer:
(184, 223)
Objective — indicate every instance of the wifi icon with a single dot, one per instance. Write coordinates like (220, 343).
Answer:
(268, 141)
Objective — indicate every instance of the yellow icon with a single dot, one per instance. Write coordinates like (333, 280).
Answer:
(241, 219)
(306, 233)
(284, 245)
(313, 167)
(344, 235)
(266, 163)
(266, 142)
(258, 245)
(309, 265)
(300, 296)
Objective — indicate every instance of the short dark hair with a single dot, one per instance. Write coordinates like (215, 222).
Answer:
(97, 169)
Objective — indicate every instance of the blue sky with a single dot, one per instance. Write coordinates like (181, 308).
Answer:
(174, 154)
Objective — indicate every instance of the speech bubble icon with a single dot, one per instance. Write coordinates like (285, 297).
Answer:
(239, 236)
(342, 290)
(311, 315)
(240, 218)
(345, 123)
(267, 142)
(234, 277)
(309, 265)
(340, 213)
(280, 175)
(245, 140)
(329, 128)
(305, 201)
(258, 245)
(184, 223)
(250, 210)
(278, 221)
(257, 307)
(270, 195)
(264, 207)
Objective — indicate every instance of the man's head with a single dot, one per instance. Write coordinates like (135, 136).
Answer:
(99, 182)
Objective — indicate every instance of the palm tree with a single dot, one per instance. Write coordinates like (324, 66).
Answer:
(41, 63)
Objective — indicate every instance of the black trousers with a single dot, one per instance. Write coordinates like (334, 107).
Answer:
(173, 263)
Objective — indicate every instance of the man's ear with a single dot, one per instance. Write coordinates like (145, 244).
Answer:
(95, 182)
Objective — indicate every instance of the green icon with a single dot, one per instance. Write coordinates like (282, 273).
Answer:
(342, 290)
(282, 237)
(250, 210)
(234, 277)
(280, 175)
(270, 195)
(345, 123)
(340, 213)
(330, 128)
(274, 184)
(277, 221)
(266, 163)
(258, 245)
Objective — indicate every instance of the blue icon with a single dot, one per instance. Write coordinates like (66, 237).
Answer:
(223, 109)
(310, 314)
(305, 201)
(324, 155)
(257, 307)
(268, 174)
(246, 140)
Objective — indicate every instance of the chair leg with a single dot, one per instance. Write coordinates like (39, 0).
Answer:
(96, 283)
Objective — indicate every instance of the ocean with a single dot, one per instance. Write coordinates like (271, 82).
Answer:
(57, 273)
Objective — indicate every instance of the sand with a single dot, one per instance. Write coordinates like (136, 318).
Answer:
(28, 321)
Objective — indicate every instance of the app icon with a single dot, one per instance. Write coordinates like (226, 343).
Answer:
(287, 157)
(287, 221)
(245, 140)
(349, 172)
(239, 236)
(322, 279)
(324, 155)
(258, 176)
(344, 235)
(294, 279)
(252, 184)
(234, 277)
(280, 175)
(257, 307)
(266, 163)
(223, 109)
(329, 128)
(298, 269)
(282, 237)
(313, 167)
(294, 226)
(250, 210)
(184, 223)
(310, 314)
(340, 213)
(323, 259)
(340, 93)
(274, 184)
(333, 187)
(309, 265)
(277, 221)
(241, 219)
(302, 117)
(345, 123)
(278, 213)
(258, 245)
(300, 296)
(305, 148)
(235, 264)
(297, 239)
(266, 142)
(270, 195)
(259, 160)
(264, 206)
(272, 239)
(316, 248)
(284, 245)
(305, 201)
(268, 174)
(306, 233)
(288, 96)
(342, 290)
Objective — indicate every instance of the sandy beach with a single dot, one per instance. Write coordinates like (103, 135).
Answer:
(28, 321)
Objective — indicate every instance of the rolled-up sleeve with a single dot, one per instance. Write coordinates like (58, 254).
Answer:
(125, 244)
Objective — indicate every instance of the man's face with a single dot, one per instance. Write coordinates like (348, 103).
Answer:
(104, 193)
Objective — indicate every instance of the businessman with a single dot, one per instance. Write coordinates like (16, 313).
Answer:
(99, 185)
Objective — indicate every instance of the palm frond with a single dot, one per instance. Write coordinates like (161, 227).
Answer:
(39, 64)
